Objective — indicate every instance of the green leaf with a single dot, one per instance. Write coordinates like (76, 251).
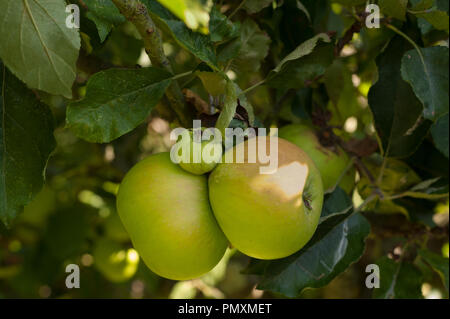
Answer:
(438, 263)
(116, 102)
(194, 13)
(301, 66)
(394, 8)
(220, 27)
(420, 5)
(340, 232)
(254, 47)
(398, 280)
(105, 15)
(302, 50)
(431, 14)
(439, 131)
(397, 176)
(228, 50)
(214, 82)
(254, 6)
(314, 266)
(37, 46)
(246, 105)
(429, 81)
(336, 203)
(26, 141)
(396, 110)
(229, 109)
(438, 19)
(198, 44)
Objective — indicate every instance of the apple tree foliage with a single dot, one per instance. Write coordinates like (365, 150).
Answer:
(80, 106)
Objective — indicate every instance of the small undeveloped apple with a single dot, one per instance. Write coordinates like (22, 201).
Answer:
(267, 216)
(203, 155)
(114, 262)
(167, 214)
(331, 163)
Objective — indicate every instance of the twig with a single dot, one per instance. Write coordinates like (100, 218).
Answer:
(348, 36)
(136, 12)
(366, 202)
(363, 168)
(253, 87)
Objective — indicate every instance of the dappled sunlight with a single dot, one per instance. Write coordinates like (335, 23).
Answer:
(129, 255)
(287, 182)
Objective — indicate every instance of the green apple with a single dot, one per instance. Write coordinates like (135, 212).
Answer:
(114, 262)
(331, 163)
(168, 217)
(267, 216)
(203, 155)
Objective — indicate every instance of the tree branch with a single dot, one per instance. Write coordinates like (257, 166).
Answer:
(136, 12)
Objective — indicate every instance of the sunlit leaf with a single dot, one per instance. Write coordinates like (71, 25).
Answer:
(37, 46)
(198, 44)
(195, 13)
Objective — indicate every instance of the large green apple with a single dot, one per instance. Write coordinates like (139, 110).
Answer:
(267, 216)
(331, 163)
(167, 214)
(114, 262)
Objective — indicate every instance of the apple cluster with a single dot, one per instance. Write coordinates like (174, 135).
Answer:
(181, 222)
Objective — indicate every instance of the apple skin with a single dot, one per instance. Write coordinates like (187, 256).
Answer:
(115, 263)
(330, 164)
(265, 215)
(202, 167)
(168, 217)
